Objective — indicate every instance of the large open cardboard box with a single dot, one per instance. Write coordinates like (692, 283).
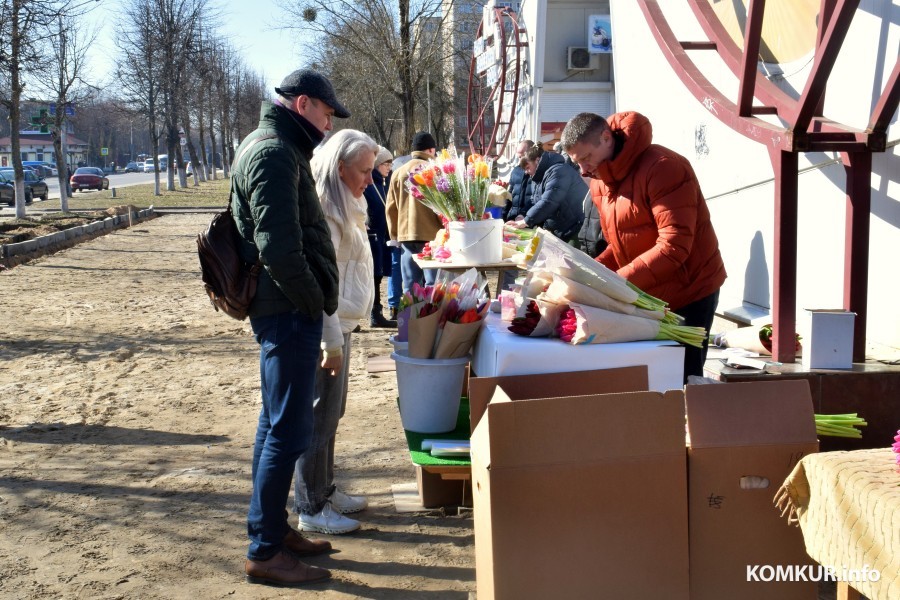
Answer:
(549, 385)
(581, 497)
(738, 431)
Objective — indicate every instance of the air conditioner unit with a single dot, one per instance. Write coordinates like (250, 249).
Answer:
(579, 59)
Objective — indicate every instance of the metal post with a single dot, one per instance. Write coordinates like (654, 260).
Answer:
(858, 168)
(784, 301)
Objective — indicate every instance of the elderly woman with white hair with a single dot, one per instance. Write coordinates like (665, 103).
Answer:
(342, 170)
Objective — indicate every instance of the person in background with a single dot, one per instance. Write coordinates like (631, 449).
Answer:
(376, 198)
(590, 237)
(557, 194)
(653, 215)
(519, 203)
(395, 280)
(519, 185)
(557, 147)
(409, 221)
(342, 169)
(280, 222)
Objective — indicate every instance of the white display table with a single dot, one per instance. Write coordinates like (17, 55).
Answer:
(498, 352)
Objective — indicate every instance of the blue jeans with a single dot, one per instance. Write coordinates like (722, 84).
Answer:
(410, 271)
(314, 475)
(288, 358)
(395, 281)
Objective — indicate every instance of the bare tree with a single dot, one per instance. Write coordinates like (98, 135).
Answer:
(373, 105)
(177, 24)
(392, 41)
(69, 42)
(21, 51)
(138, 71)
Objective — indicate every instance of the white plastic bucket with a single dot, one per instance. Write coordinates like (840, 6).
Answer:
(429, 391)
(477, 242)
(398, 345)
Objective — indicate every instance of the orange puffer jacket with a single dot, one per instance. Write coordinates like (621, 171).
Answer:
(655, 218)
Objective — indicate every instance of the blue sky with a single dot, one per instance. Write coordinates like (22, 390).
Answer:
(247, 24)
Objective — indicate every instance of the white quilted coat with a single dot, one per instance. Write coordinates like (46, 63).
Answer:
(355, 272)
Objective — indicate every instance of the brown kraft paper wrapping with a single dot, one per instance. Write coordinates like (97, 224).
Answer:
(422, 332)
(457, 339)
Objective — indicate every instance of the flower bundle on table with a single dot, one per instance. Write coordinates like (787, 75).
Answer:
(753, 339)
(498, 194)
(580, 301)
(896, 447)
(448, 318)
(455, 188)
(437, 248)
(518, 244)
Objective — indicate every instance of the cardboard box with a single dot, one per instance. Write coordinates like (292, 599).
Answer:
(549, 385)
(740, 431)
(436, 490)
(581, 497)
(827, 339)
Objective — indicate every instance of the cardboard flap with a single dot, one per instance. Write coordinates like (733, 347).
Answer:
(582, 429)
(547, 385)
(750, 414)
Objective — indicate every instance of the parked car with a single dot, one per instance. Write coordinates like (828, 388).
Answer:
(87, 178)
(148, 165)
(134, 167)
(8, 191)
(33, 181)
(43, 169)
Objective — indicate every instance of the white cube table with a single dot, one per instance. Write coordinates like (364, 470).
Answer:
(498, 352)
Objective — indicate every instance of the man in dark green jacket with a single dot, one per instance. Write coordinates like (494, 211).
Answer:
(280, 220)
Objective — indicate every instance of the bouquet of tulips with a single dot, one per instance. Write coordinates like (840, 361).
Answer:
(457, 189)
(583, 302)
(445, 322)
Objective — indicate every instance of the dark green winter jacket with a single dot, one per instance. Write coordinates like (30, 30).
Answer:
(279, 217)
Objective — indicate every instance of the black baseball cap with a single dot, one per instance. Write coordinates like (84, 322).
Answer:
(306, 82)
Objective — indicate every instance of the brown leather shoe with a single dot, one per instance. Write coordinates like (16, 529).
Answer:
(302, 546)
(284, 570)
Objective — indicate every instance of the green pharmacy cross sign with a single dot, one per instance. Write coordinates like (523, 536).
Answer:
(41, 121)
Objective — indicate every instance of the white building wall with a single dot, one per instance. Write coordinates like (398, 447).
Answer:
(736, 173)
(550, 92)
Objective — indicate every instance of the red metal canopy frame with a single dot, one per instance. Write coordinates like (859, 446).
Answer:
(805, 129)
(488, 133)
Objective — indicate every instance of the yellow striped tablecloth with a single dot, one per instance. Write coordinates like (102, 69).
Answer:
(848, 506)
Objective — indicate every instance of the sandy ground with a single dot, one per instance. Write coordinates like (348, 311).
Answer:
(127, 414)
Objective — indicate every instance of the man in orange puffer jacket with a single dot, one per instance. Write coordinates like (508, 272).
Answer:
(653, 216)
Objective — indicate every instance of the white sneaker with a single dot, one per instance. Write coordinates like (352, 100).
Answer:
(328, 520)
(346, 504)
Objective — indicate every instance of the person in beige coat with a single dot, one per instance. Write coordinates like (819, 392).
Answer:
(410, 222)
(342, 170)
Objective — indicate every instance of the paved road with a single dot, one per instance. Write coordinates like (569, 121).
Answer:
(115, 181)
